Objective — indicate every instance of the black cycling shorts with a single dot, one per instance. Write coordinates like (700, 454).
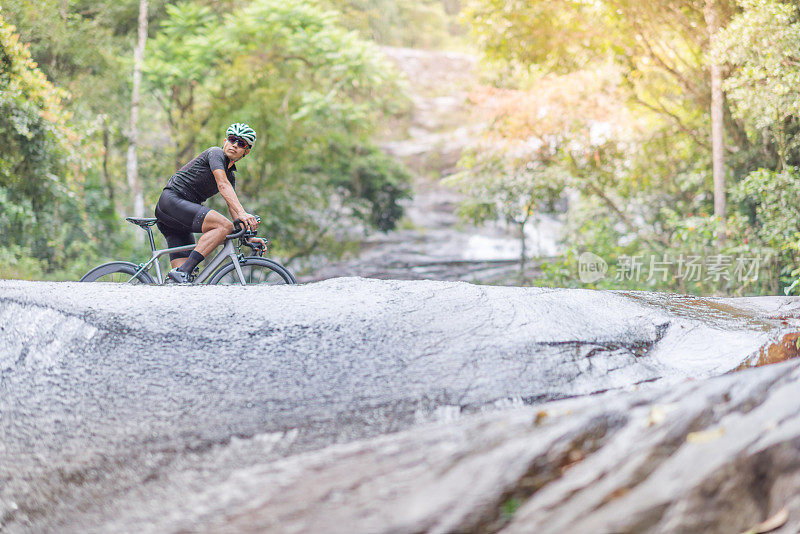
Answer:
(178, 219)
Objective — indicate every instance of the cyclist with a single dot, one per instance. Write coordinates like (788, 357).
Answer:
(180, 211)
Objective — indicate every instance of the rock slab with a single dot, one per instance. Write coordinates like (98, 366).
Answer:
(384, 406)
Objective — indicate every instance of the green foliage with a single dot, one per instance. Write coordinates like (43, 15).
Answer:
(651, 222)
(409, 23)
(645, 190)
(761, 46)
(503, 186)
(770, 203)
(33, 122)
(510, 507)
(372, 182)
(183, 64)
(187, 44)
(561, 36)
(83, 46)
(16, 263)
(692, 262)
(41, 211)
(313, 91)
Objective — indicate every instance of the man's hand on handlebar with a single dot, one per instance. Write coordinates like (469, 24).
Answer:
(260, 245)
(250, 221)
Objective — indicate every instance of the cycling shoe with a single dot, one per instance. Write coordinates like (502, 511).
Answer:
(176, 276)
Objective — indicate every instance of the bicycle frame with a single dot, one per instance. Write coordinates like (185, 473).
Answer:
(228, 251)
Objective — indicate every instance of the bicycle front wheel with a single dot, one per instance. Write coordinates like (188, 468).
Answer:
(256, 271)
(120, 272)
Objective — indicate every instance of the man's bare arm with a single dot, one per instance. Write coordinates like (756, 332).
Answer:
(234, 206)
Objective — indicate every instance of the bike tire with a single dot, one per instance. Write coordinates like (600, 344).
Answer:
(256, 271)
(118, 272)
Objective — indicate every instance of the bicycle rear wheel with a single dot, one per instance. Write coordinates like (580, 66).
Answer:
(256, 271)
(120, 272)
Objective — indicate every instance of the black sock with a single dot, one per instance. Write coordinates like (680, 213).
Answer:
(191, 262)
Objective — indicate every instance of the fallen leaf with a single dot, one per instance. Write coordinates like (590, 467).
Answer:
(776, 521)
(619, 492)
(705, 436)
(540, 417)
(657, 415)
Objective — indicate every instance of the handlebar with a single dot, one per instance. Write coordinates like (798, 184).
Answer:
(236, 234)
(241, 232)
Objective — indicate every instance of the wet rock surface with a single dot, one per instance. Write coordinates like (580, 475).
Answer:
(356, 405)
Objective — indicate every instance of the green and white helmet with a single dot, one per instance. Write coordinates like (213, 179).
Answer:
(242, 130)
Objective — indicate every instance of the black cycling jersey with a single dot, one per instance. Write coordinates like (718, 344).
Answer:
(195, 181)
(179, 210)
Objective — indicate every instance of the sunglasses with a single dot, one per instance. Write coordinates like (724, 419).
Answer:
(238, 141)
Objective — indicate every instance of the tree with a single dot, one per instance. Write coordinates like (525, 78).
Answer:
(649, 189)
(717, 111)
(661, 49)
(760, 47)
(511, 189)
(96, 74)
(183, 67)
(409, 23)
(41, 212)
(519, 167)
(132, 167)
(313, 91)
(559, 36)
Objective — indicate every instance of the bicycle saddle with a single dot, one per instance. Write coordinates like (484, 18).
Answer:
(144, 222)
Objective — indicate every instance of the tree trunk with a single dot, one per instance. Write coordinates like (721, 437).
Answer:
(523, 252)
(717, 126)
(106, 176)
(132, 164)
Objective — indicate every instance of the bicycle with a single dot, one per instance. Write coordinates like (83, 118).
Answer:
(252, 269)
